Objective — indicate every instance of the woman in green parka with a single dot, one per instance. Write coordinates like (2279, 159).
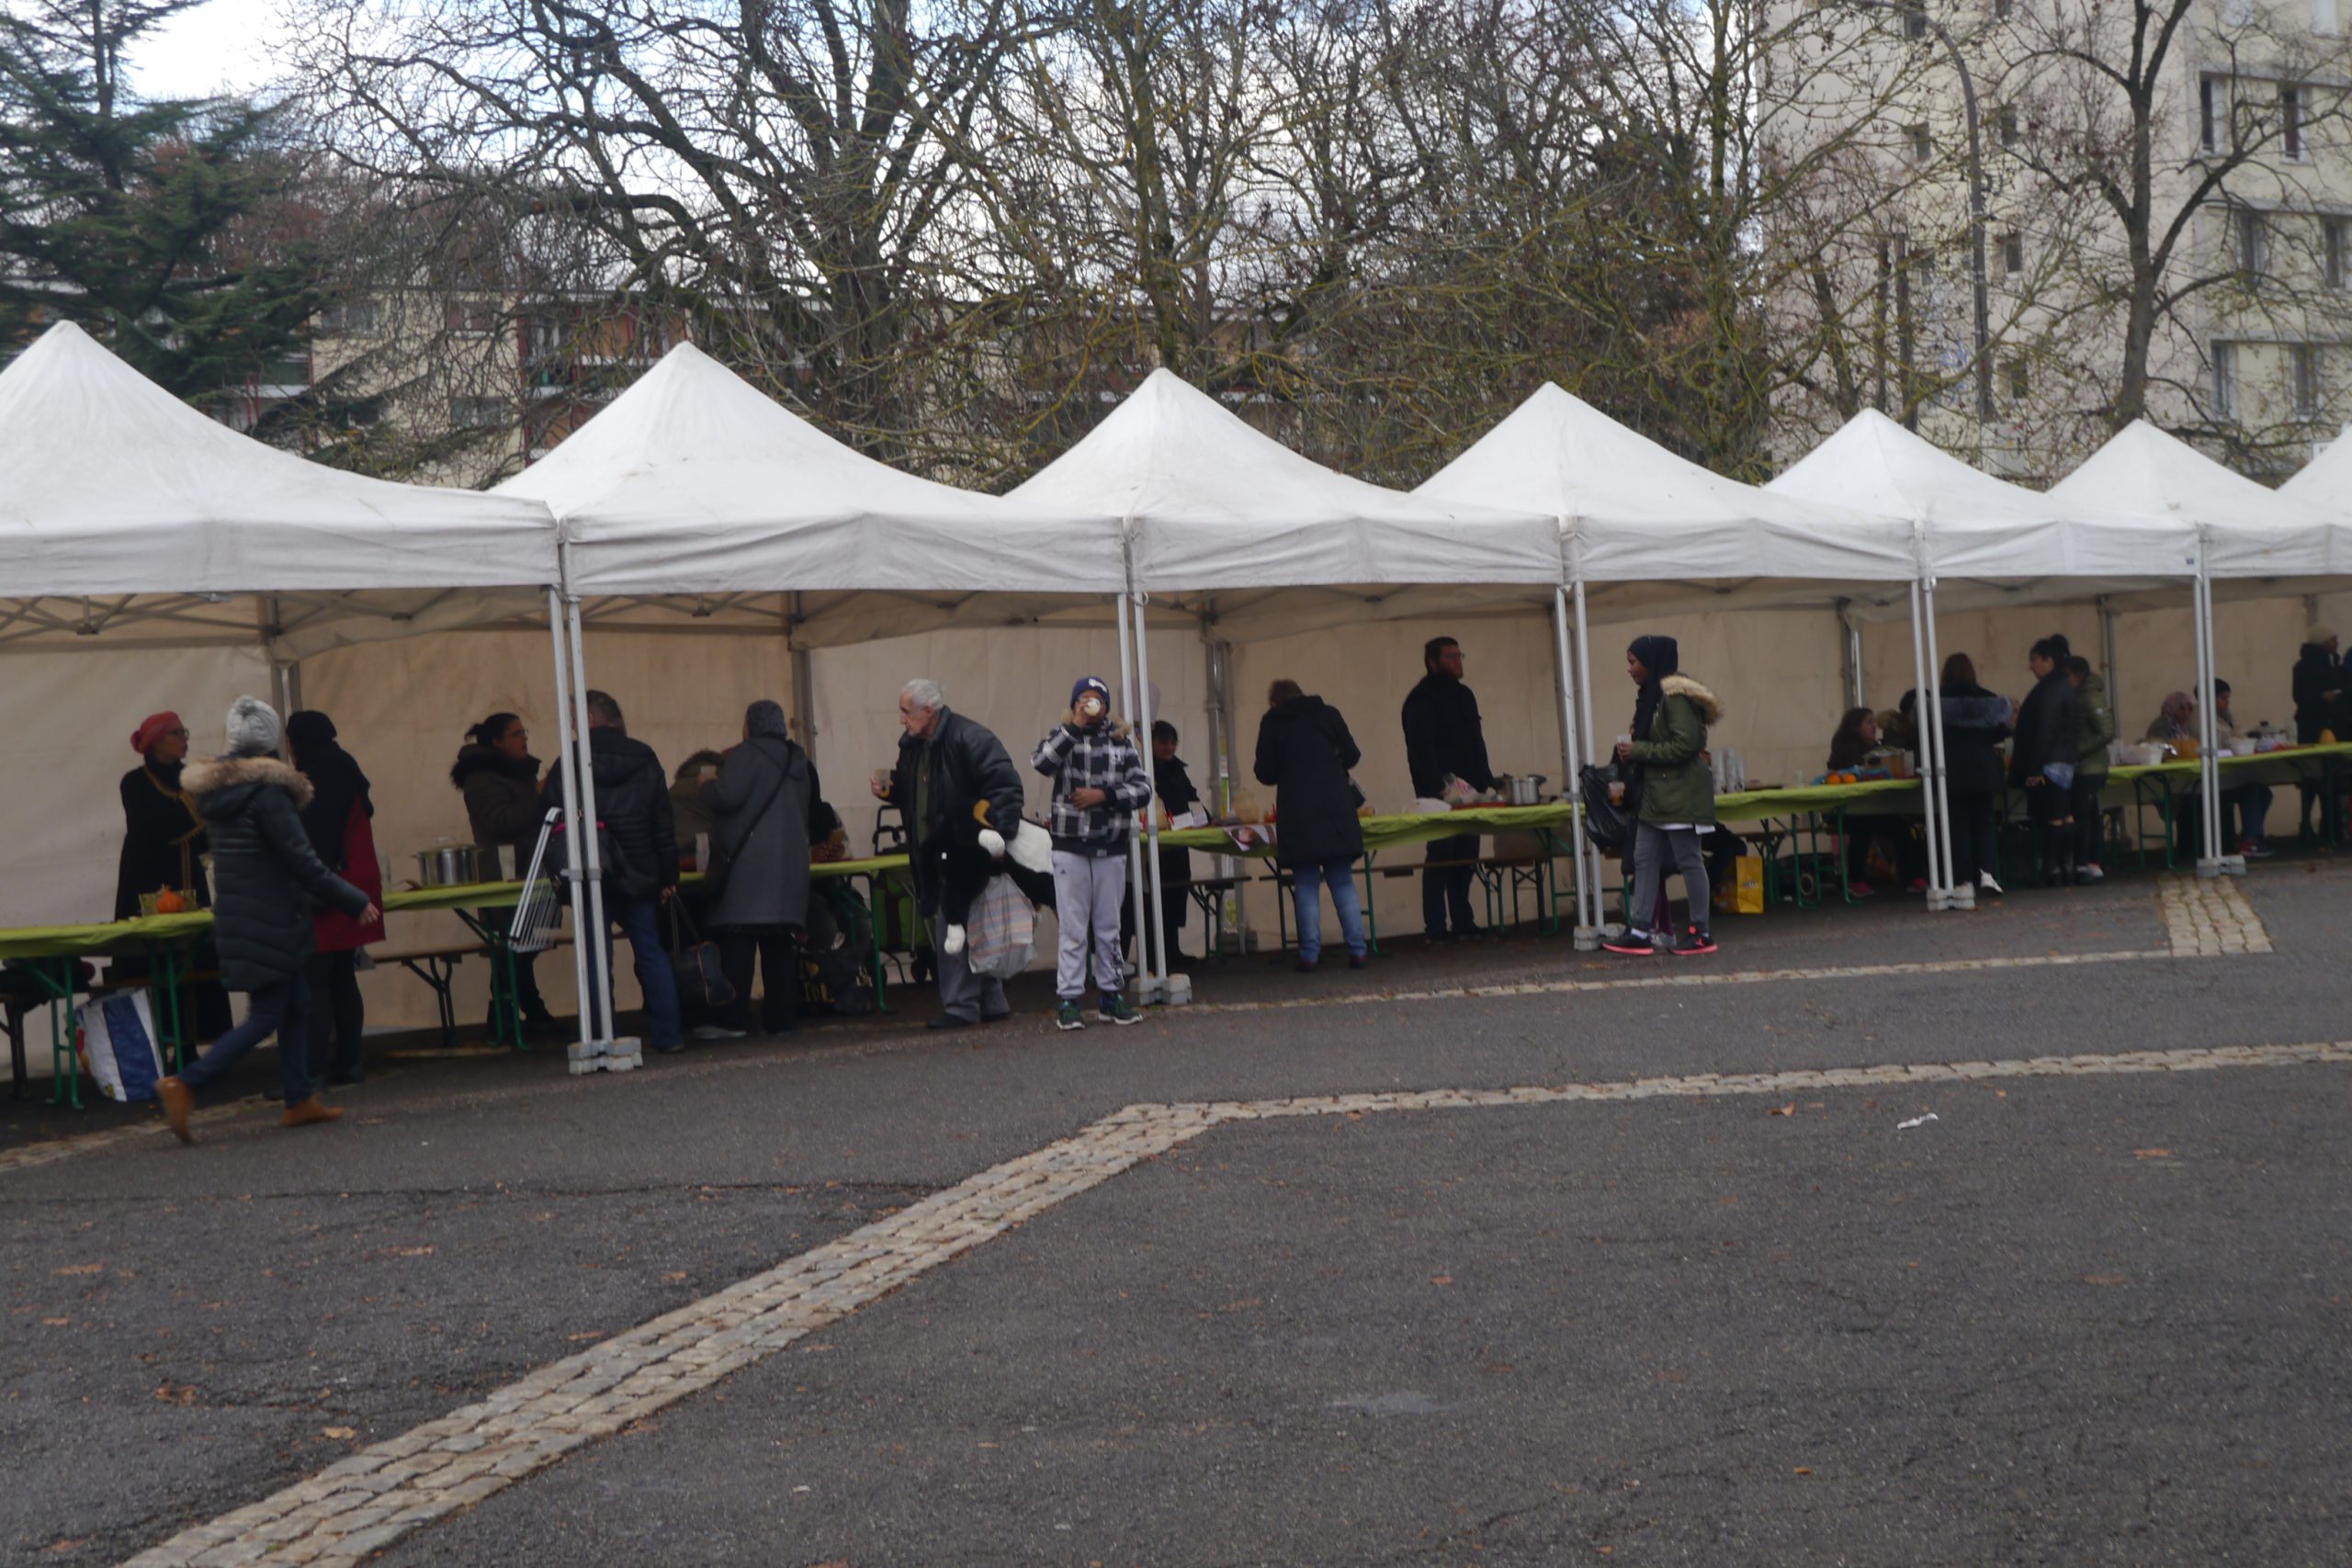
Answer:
(1671, 789)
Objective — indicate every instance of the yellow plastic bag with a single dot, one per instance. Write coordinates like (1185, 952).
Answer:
(1742, 892)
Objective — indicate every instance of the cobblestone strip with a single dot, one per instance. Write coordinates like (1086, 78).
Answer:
(2208, 917)
(364, 1503)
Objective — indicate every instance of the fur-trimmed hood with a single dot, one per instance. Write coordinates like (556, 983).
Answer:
(1709, 709)
(475, 758)
(222, 785)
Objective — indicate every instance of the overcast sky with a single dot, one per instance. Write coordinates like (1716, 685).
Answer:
(220, 44)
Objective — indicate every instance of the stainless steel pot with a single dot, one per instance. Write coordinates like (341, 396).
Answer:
(1520, 789)
(448, 865)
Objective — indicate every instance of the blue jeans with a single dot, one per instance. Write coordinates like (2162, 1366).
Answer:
(283, 1009)
(2250, 805)
(640, 922)
(1309, 881)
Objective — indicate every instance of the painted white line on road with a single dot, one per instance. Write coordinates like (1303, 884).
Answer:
(363, 1504)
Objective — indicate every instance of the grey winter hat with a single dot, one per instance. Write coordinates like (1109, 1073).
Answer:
(255, 729)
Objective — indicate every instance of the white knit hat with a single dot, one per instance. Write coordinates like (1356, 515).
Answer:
(255, 729)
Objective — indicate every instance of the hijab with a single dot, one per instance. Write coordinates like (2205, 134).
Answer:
(334, 777)
(2176, 713)
(1661, 656)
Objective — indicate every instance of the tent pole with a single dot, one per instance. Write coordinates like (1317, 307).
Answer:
(1571, 758)
(1927, 746)
(1217, 764)
(1584, 691)
(803, 680)
(1855, 683)
(571, 871)
(598, 931)
(1134, 845)
(1931, 702)
(1228, 865)
(2106, 652)
(2212, 860)
(1151, 940)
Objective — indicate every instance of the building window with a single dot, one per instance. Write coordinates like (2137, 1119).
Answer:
(478, 414)
(2225, 380)
(473, 321)
(2253, 248)
(2014, 374)
(1923, 145)
(2302, 369)
(2291, 123)
(2004, 124)
(2013, 253)
(351, 318)
(1915, 21)
(2210, 102)
(2323, 17)
(2332, 239)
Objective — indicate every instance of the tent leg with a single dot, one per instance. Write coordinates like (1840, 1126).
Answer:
(597, 929)
(1151, 940)
(1936, 872)
(804, 685)
(2211, 859)
(1586, 932)
(1584, 692)
(1939, 784)
(1142, 980)
(573, 872)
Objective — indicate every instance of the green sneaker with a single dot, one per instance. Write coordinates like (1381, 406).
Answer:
(1114, 1009)
(1068, 1015)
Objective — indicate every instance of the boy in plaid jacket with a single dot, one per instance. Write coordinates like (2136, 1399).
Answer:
(1099, 786)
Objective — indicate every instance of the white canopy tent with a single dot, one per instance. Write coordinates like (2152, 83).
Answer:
(2008, 544)
(1634, 513)
(1252, 538)
(2243, 534)
(694, 490)
(2326, 480)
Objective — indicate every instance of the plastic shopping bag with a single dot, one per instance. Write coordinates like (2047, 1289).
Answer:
(1001, 935)
(115, 1034)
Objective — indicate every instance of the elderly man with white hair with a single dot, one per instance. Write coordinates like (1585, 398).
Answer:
(948, 765)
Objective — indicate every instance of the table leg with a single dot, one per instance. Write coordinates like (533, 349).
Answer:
(875, 894)
(163, 979)
(1844, 853)
(65, 1067)
(1371, 915)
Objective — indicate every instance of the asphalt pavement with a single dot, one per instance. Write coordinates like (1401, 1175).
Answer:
(1723, 1336)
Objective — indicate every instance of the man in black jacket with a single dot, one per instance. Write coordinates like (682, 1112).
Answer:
(1444, 736)
(633, 804)
(947, 764)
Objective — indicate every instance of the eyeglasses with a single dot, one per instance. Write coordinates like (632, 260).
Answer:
(181, 732)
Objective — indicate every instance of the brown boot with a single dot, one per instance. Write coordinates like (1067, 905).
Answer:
(177, 1100)
(311, 1110)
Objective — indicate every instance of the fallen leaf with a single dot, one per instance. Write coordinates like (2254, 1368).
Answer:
(183, 1394)
(676, 1274)
(2105, 1279)
(984, 1445)
(1241, 1305)
(1787, 1110)
(56, 1322)
(68, 1545)
(582, 1336)
(407, 1252)
(340, 1432)
(80, 1268)
(1440, 1279)
(1804, 1470)
(2152, 1154)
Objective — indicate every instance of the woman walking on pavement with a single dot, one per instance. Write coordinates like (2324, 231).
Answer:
(1671, 717)
(269, 876)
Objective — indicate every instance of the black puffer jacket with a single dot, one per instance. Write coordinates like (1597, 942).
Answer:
(268, 880)
(2318, 673)
(1304, 752)
(1975, 723)
(633, 803)
(970, 765)
(2048, 729)
(502, 802)
(1444, 735)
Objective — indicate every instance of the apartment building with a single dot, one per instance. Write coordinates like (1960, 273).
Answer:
(1993, 249)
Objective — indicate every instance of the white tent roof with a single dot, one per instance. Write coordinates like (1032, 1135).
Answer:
(1978, 527)
(122, 496)
(2251, 531)
(2326, 480)
(1214, 504)
(1642, 514)
(693, 481)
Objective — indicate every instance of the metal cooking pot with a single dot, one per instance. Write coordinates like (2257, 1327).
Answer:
(1519, 789)
(448, 865)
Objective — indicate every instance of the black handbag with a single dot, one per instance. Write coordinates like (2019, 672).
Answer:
(701, 979)
(1606, 823)
(722, 857)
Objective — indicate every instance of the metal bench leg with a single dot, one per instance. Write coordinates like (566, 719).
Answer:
(65, 1067)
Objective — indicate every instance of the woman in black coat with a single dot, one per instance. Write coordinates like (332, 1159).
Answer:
(764, 815)
(1304, 752)
(2319, 706)
(163, 837)
(2042, 762)
(1975, 722)
(500, 779)
(269, 877)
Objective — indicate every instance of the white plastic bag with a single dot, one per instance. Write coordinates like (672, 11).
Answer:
(1002, 933)
(114, 1032)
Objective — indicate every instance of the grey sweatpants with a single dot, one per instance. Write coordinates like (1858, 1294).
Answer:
(1651, 848)
(1087, 892)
